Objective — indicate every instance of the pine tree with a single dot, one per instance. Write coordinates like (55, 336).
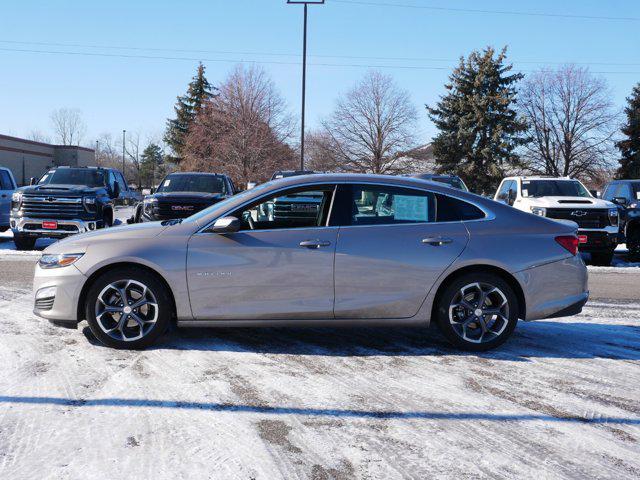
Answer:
(151, 165)
(630, 146)
(186, 108)
(479, 129)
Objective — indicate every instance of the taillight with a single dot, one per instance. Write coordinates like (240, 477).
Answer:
(569, 242)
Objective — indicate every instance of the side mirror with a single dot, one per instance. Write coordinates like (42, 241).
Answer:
(33, 181)
(620, 201)
(511, 197)
(152, 190)
(116, 190)
(226, 225)
(594, 193)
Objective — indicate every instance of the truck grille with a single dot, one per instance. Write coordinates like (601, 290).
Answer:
(585, 218)
(51, 207)
(167, 210)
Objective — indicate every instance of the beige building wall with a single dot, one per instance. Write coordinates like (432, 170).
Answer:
(26, 158)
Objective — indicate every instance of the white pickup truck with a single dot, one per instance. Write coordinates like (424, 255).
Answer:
(567, 199)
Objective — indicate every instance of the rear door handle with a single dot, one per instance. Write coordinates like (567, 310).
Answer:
(437, 241)
(314, 243)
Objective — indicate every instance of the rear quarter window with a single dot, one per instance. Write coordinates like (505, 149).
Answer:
(449, 209)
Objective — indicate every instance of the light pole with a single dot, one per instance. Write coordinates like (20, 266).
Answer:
(304, 69)
(123, 134)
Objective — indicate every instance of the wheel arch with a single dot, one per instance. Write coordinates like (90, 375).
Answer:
(505, 275)
(112, 266)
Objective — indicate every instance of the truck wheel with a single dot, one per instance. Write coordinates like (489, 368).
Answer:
(633, 243)
(602, 259)
(128, 308)
(23, 242)
(107, 219)
(477, 312)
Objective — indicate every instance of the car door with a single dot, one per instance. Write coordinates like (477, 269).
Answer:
(278, 266)
(6, 190)
(390, 251)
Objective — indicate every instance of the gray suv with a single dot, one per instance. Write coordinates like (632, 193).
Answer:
(380, 250)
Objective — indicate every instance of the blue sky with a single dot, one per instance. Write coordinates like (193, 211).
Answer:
(418, 46)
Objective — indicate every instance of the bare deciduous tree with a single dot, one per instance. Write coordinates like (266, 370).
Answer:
(571, 122)
(241, 131)
(37, 136)
(68, 126)
(370, 129)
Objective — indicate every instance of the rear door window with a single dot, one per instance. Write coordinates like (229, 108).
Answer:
(388, 205)
(5, 181)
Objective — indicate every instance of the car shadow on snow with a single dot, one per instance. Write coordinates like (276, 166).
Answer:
(541, 339)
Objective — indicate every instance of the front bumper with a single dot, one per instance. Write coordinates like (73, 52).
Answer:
(554, 287)
(601, 240)
(32, 227)
(66, 283)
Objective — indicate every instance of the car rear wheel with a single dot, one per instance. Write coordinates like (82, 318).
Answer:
(128, 308)
(477, 312)
(23, 242)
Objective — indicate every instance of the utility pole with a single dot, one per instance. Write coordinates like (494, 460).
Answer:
(124, 132)
(304, 69)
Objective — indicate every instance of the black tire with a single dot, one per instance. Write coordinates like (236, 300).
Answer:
(23, 242)
(633, 243)
(454, 330)
(107, 219)
(602, 259)
(134, 277)
(3, 229)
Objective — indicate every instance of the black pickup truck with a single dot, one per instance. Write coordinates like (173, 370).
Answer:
(68, 200)
(626, 195)
(182, 194)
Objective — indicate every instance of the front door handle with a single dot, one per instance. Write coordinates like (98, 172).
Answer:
(314, 243)
(437, 241)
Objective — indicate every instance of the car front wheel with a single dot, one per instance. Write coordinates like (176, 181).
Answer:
(128, 308)
(477, 312)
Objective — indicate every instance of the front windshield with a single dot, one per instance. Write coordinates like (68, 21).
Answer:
(554, 188)
(74, 176)
(193, 183)
(221, 206)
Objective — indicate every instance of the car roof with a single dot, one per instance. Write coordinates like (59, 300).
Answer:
(212, 174)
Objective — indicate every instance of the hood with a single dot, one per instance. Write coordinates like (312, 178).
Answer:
(570, 202)
(55, 189)
(188, 195)
(79, 243)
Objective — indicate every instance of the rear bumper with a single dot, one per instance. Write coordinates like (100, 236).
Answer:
(555, 288)
(32, 227)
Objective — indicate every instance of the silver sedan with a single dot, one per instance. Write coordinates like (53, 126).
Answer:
(320, 250)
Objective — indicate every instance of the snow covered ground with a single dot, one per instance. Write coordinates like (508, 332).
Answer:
(560, 400)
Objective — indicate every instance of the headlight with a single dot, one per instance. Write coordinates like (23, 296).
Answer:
(89, 203)
(16, 200)
(541, 211)
(613, 216)
(59, 260)
(149, 203)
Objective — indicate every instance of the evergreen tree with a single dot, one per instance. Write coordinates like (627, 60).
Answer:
(479, 127)
(630, 146)
(151, 165)
(186, 108)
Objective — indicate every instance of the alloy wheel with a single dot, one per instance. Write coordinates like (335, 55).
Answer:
(126, 310)
(479, 312)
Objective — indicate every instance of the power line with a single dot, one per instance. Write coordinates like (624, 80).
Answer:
(282, 54)
(264, 62)
(474, 10)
